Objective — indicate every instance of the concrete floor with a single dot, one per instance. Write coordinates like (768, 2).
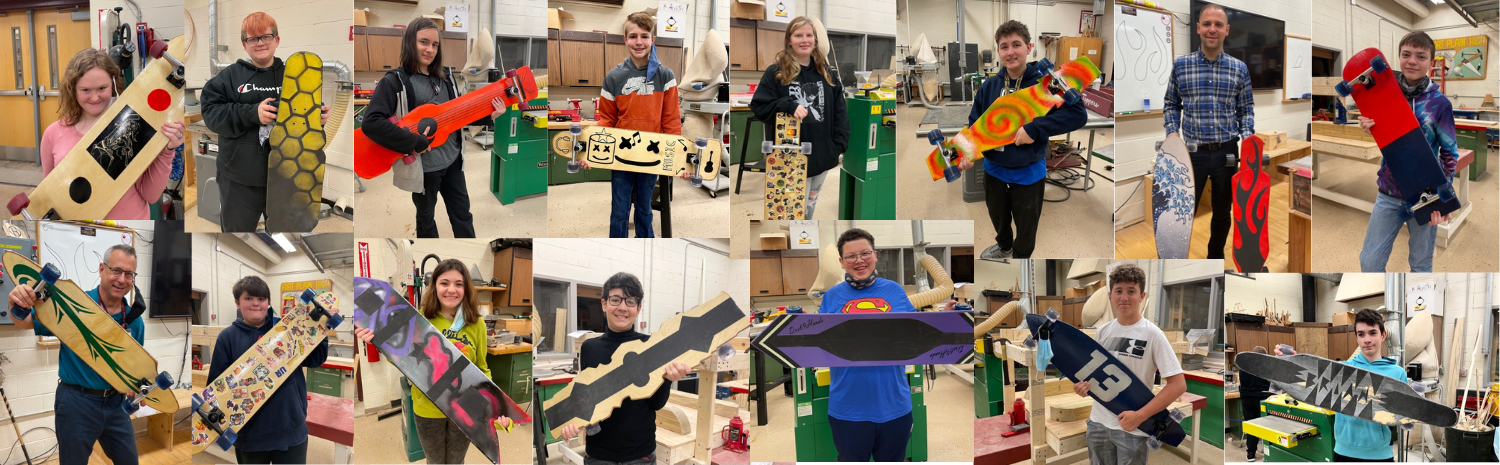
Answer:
(385, 211)
(379, 441)
(319, 450)
(748, 205)
(582, 210)
(196, 224)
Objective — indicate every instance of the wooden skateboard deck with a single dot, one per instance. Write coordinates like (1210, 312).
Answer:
(640, 151)
(295, 164)
(1172, 199)
(636, 367)
(91, 333)
(125, 141)
(1417, 170)
(1111, 383)
(1252, 198)
(786, 173)
(997, 126)
(372, 159)
(231, 400)
(1347, 389)
(869, 339)
(434, 365)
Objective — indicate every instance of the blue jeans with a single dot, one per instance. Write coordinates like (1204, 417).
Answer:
(1386, 219)
(81, 419)
(859, 441)
(814, 186)
(630, 190)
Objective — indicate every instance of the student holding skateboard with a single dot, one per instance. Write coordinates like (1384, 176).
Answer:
(1355, 439)
(278, 431)
(1253, 390)
(239, 104)
(1435, 115)
(628, 436)
(801, 84)
(1013, 186)
(89, 87)
(87, 408)
(1141, 346)
(450, 305)
(1209, 103)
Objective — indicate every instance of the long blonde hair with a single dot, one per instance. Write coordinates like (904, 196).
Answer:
(786, 62)
(69, 111)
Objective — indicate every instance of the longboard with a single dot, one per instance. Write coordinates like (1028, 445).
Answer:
(1172, 198)
(1252, 199)
(635, 369)
(998, 125)
(295, 189)
(1417, 170)
(82, 325)
(639, 151)
(1111, 383)
(434, 365)
(869, 339)
(1347, 389)
(231, 400)
(118, 149)
(786, 171)
(372, 159)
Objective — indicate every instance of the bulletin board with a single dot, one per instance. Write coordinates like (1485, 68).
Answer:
(1466, 57)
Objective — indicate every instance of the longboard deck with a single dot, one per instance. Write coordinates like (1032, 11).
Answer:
(641, 151)
(1413, 164)
(786, 173)
(91, 333)
(1172, 199)
(1347, 389)
(1252, 200)
(869, 339)
(296, 161)
(434, 365)
(635, 370)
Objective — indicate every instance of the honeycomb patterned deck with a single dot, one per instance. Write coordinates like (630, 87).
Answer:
(295, 188)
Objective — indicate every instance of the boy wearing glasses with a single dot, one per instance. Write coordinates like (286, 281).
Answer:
(87, 408)
(628, 436)
(239, 104)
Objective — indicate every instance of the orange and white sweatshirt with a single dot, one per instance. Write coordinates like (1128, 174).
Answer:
(633, 100)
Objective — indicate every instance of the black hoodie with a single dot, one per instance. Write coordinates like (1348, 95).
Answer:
(230, 101)
(1061, 120)
(281, 421)
(630, 432)
(393, 96)
(827, 121)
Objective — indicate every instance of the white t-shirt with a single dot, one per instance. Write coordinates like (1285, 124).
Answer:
(1145, 350)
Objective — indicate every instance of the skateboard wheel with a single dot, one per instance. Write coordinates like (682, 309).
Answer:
(806, 148)
(935, 137)
(227, 439)
(696, 180)
(1177, 416)
(1378, 64)
(765, 146)
(1158, 146)
(157, 48)
(1153, 443)
(1342, 88)
(130, 407)
(952, 173)
(512, 74)
(18, 203)
(963, 307)
(197, 404)
(1071, 96)
(573, 167)
(700, 142)
(334, 320)
(1044, 65)
(575, 129)
(50, 273)
(307, 295)
(19, 312)
(164, 380)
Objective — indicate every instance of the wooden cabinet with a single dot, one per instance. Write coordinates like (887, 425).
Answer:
(455, 47)
(384, 48)
(741, 49)
(555, 63)
(765, 274)
(669, 53)
(998, 299)
(614, 52)
(513, 269)
(799, 268)
(361, 50)
(770, 39)
(585, 58)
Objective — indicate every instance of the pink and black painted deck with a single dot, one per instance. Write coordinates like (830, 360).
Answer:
(869, 339)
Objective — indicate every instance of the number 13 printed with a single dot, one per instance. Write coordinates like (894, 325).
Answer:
(1104, 388)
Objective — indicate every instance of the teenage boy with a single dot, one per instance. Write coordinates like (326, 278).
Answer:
(1354, 439)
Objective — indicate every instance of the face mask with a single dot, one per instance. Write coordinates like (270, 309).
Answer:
(859, 284)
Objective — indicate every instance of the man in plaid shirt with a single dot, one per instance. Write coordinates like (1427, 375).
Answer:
(1208, 103)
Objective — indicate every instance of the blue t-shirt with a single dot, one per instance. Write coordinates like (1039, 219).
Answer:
(874, 394)
(1026, 175)
(73, 370)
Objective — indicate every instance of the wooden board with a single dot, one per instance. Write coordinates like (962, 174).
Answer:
(1342, 131)
(1347, 148)
(1455, 358)
(1071, 411)
(722, 408)
(1312, 340)
(673, 418)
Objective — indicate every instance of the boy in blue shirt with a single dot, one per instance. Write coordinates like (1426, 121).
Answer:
(1354, 439)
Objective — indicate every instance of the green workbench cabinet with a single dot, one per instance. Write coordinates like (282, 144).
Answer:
(325, 381)
(512, 373)
(1475, 139)
(750, 153)
(1212, 416)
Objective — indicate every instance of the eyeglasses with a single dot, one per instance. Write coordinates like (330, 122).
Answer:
(257, 40)
(629, 302)
(862, 256)
(116, 272)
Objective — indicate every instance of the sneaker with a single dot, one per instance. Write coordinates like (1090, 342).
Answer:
(1251, 459)
(995, 253)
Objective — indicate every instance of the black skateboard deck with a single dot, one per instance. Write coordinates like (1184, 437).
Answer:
(1347, 389)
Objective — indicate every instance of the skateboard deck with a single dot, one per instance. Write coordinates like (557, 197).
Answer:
(1347, 389)
(640, 151)
(1172, 199)
(372, 159)
(231, 400)
(83, 325)
(636, 367)
(295, 164)
(125, 141)
(1112, 384)
(1417, 170)
(869, 339)
(434, 365)
(1252, 198)
(786, 172)
(997, 126)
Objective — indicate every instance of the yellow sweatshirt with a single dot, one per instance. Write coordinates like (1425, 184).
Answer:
(470, 341)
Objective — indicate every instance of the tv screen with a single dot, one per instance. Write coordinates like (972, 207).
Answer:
(171, 271)
(1258, 41)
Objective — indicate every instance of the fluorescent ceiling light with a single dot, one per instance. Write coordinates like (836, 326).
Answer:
(285, 244)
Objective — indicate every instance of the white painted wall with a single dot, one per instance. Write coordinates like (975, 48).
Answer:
(669, 269)
(1284, 289)
(165, 16)
(937, 20)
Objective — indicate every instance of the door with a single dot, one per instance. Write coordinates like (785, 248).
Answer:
(44, 39)
(58, 37)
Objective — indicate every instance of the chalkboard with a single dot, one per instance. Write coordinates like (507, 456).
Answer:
(79, 249)
(1298, 68)
(1143, 57)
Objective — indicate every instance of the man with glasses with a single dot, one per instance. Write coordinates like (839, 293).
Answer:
(628, 436)
(87, 408)
(239, 104)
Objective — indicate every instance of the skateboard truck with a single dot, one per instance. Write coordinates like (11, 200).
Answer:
(1367, 78)
(143, 388)
(1056, 86)
(50, 274)
(950, 155)
(768, 147)
(1161, 425)
(318, 312)
(211, 418)
(18, 204)
(574, 130)
(697, 179)
(159, 50)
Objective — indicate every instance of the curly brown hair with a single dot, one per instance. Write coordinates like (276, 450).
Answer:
(1013, 27)
(69, 111)
(786, 64)
(1127, 273)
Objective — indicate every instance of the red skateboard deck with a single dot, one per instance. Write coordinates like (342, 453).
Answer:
(372, 159)
(1252, 197)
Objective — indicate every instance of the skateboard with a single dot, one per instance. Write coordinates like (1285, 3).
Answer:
(434, 365)
(233, 399)
(1252, 198)
(106, 163)
(636, 367)
(640, 151)
(1417, 170)
(1172, 198)
(869, 339)
(786, 170)
(295, 164)
(1112, 384)
(82, 325)
(998, 125)
(1347, 389)
(372, 159)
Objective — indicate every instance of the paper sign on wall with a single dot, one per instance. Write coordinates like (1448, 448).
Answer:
(456, 17)
(671, 17)
(1424, 296)
(781, 11)
(804, 234)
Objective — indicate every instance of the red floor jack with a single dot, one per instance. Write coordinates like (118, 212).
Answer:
(735, 439)
(1018, 423)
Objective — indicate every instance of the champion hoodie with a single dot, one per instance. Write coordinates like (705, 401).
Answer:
(1363, 439)
(230, 100)
(282, 419)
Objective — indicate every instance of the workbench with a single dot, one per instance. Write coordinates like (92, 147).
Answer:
(1359, 150)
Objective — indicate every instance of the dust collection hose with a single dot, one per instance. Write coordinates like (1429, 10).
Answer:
(994, 320)
(830, 274)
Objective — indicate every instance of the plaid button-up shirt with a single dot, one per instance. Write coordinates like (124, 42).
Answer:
(1209, 100)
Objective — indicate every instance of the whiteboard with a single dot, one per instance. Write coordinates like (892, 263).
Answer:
(1298, 68)
(79, 249)
(1143, 58)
